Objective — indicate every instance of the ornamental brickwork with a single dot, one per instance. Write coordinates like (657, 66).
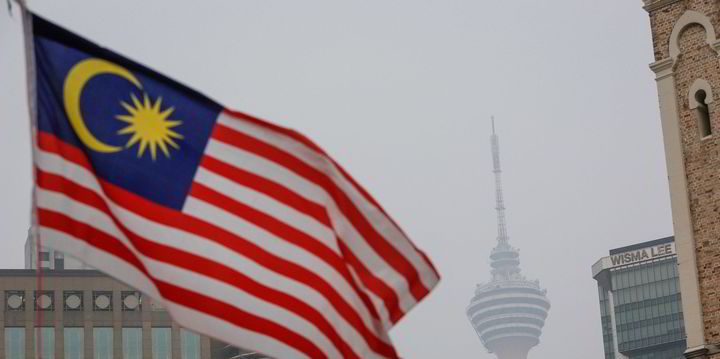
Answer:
(687, 64)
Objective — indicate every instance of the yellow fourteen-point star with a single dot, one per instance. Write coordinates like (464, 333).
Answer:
(149, 126)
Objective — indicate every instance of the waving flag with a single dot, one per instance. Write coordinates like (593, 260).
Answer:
(246, 231)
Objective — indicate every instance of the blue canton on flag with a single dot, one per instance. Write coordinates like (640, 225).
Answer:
(143, 134)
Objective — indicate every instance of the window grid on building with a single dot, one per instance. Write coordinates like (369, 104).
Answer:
(96, 324)
(647, 309)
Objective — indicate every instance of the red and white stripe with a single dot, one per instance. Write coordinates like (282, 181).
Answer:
(276, 249)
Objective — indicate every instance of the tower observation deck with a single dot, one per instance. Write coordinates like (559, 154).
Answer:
(508, 312)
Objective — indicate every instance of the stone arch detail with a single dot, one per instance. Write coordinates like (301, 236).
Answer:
(699, 84)
(691, 17)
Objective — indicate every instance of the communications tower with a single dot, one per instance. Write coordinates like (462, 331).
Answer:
(508, 312)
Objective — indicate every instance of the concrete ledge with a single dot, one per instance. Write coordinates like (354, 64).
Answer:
(662, 68)
(658, 4)
(51, 273)
(702, 352)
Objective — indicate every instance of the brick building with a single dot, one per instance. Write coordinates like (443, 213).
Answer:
(687, 68)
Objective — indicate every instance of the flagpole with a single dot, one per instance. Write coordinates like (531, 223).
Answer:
(30, 81)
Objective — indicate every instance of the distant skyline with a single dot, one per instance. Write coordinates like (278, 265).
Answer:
(401, 94)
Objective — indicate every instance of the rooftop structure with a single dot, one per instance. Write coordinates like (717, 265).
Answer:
(49, 258)
(508, 312)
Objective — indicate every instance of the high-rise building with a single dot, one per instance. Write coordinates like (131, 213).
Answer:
(508, 312)
(687, 68)
(640, 305)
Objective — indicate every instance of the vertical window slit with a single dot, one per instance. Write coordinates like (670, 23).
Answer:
(703, 114)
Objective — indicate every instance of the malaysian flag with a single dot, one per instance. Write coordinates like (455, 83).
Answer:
(246, 231)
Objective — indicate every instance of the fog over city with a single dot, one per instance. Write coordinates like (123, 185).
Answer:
(401, 94)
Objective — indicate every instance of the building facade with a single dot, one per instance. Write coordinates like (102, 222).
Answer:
(508, 312)
(78, 314)
(640, 304)
(687, 68)
(85, 314)
(135, 328)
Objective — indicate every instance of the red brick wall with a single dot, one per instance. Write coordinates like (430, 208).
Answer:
(698, 60)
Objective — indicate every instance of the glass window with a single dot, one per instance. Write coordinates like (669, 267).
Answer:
(15, 343)
(45, 342)
(189, 345)
(161, 344)
(59, 260)
(102, 343)
(651, 273)
(74, 338)
(132, 343)
(666, 288)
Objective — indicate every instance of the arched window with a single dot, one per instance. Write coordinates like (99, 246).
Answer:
(700, 98)
(689, 18)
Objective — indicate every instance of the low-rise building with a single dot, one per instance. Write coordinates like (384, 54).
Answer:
(76, 314)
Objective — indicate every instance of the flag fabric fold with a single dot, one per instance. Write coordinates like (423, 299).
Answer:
(246, 231)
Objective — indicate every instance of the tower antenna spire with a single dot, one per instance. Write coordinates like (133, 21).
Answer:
(499, 199)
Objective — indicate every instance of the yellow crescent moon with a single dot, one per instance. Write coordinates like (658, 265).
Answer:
(80, 74)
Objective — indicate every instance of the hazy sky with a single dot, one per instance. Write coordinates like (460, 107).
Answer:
(400, 93)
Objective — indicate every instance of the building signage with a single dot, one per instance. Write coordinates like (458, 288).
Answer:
(641, 255)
